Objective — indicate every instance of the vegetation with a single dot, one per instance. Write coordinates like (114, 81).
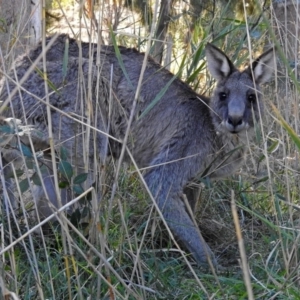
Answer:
(118, 248)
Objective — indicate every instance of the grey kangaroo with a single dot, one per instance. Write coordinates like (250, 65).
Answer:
(182, 136)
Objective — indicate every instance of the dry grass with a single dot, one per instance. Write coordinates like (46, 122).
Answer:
(127, 253)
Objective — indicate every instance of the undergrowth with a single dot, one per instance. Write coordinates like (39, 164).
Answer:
(122, 250)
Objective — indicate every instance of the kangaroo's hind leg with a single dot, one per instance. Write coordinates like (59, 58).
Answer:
(166, 185)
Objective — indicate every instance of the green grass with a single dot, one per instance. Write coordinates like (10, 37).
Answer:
(125, 252)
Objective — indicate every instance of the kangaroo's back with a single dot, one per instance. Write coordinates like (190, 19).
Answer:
(177, 110)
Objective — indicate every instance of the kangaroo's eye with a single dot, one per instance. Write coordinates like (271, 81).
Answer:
(223, 96)
(252, 98)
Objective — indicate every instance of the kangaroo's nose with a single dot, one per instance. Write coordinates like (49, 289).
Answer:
(235, 120)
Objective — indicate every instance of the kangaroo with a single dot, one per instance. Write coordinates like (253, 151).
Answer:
(182, 136)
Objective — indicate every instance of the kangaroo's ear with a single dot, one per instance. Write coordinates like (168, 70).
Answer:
(263, 67)
(219, 65)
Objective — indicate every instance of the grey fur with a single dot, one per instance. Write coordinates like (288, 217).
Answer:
(182, 136)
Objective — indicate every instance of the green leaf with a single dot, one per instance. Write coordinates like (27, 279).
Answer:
(195, 74)
(197, 56)
(263, 179)
(30, 163)
(63, 184)
(44, 169)
(10, 174)
(63, 153)
(75, 217)
(119, 57)
(294, 136)
(24, 185)
(78, 189)
(36, 179)
(274, 146)
(85, 212)
(7, 129)
(45, 77)
(80, 178)
(291, 133)
(65, 168)
(26, 151)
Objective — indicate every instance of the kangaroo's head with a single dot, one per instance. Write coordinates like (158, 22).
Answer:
(237, 98)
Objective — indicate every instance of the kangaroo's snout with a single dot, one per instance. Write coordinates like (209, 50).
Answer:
(235, 123)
